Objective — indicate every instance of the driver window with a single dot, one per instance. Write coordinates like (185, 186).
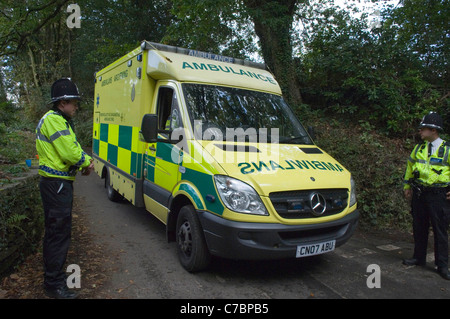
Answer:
(168, 111)
(175, 116)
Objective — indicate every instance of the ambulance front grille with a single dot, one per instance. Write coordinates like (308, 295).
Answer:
(309, 203)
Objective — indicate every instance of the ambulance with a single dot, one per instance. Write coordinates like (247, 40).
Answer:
(207, 144)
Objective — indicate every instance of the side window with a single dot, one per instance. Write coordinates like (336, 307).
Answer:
(175, 116)
(168, 111)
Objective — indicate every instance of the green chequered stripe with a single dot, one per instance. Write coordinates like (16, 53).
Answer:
(115, 145)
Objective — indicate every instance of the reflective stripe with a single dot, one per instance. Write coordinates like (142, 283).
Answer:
(425, 162)
(81, 161)
(422, 161)
(54, 136)
(440, 164)
(53, 171)
(58, 134)
(39, 135)
(443, 185)
(412, 160)
(419, 146)
(445, 160)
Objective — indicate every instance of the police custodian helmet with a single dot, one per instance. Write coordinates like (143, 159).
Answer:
(432, 120)
(64, 89)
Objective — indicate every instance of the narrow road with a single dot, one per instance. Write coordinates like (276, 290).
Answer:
(147, 265)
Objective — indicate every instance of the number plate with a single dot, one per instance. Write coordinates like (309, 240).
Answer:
(315, 249)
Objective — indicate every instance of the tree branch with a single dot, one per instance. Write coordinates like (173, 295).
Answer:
(15, 40)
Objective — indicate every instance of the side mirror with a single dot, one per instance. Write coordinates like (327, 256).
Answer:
(149, 128)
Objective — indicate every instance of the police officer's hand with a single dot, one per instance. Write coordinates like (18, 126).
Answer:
(448, 195)
(87, 170)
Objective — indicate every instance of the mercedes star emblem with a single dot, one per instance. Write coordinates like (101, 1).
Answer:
(318, 204)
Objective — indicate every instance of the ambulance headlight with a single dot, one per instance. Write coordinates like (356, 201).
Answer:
(352, 192)
(239, 196)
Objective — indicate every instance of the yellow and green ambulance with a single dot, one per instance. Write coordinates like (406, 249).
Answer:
(207, 144)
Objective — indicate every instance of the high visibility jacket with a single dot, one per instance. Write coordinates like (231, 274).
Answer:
(433, 171)
(60, 155)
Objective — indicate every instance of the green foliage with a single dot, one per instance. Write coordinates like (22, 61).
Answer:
(16, 142)
(109, 30)
(350, 69)
(390, 76)
(35, 46)
(21, 222)
(8, 115)
(218, 26)
(377, 164)
(423, 26)
(16, 146)
(83, 123)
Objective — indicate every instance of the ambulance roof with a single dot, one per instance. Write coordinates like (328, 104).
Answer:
(184, 65)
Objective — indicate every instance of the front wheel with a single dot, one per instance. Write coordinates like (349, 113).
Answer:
(192, 249)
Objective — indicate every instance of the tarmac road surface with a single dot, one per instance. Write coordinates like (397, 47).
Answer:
(367, 266)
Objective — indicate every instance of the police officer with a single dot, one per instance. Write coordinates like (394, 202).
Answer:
(427, 185)
(60, 158)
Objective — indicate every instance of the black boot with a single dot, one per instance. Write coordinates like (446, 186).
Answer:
(60, 293)
(443, 272)
(414, 262)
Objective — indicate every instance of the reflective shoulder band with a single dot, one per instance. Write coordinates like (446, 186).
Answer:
(54, 136)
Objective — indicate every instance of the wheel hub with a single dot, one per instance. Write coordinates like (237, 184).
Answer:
(185, 238)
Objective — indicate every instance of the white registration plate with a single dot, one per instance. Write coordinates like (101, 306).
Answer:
(315, 249)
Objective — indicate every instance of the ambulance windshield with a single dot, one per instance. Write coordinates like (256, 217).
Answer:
(217, 112)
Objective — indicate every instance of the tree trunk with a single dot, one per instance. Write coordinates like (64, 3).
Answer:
(273, 24)
(33, 67)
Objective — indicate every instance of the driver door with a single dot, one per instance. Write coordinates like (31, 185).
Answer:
(164, 158)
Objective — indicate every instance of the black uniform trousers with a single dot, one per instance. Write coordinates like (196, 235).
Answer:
(57, 199)
(431, 206)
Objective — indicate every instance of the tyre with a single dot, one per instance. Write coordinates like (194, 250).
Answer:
(193, 252)
(113, 195)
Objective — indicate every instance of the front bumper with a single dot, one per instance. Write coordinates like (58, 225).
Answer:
(258, 241)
